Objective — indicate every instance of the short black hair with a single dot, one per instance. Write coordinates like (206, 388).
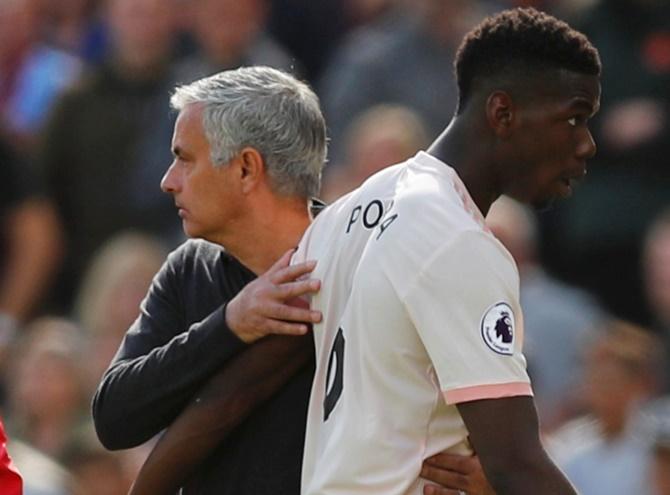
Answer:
(521, 39)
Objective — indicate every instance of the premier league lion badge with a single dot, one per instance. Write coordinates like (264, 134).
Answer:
(498, 328)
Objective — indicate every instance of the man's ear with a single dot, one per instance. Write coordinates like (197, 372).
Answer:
(500, 113)
(252, 168)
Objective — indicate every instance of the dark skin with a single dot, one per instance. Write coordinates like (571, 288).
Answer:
(532, 143)
(531, 151)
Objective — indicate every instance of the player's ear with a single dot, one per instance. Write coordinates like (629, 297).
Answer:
(251, 167)
(500, 113)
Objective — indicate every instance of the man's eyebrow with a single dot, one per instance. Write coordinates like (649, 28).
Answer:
(586, 104)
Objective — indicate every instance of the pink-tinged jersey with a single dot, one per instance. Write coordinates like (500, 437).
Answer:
(421, 312)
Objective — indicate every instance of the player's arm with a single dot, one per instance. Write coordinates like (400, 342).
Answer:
(474, 336)
(231, 395)
(505, 434)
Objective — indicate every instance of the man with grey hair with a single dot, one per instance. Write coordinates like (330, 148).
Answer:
(249, 191)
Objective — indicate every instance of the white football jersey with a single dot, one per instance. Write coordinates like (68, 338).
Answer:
(421, 312)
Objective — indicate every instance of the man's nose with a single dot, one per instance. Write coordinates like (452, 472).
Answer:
(587, 146)
(169, 181)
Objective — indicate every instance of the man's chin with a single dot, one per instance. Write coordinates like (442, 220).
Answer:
(543, 204)
(537, 204)
(191, 231)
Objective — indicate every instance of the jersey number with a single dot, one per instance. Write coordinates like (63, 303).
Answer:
(334, 377)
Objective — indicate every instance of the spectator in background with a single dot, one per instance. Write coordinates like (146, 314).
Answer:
(32, 74)
(46, 399)
(108, 300)
(312, 30)
(629, 182)
(379, 137)
(42, 475)
(30, 244)
(560, 320)
(46, 404)
(656, 269)
(74, 26)
(95, 470)
(366, 71)
(657, 424)
(230, 34)
(601, 452)
(108, 142)
(660, 468)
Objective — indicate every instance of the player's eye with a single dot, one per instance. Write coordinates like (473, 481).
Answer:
(577, 120)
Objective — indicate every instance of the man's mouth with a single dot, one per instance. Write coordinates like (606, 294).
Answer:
(574, 179)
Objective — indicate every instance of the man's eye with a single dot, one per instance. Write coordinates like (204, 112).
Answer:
(573, 121)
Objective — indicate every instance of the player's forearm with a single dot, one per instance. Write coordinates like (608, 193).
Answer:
(505, 434)
(224, 402)
(147, 386)
(536, 474)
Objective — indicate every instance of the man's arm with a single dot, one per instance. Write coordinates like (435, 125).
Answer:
(163, 361)
(244, 382)
(232, 394)
(505, 435)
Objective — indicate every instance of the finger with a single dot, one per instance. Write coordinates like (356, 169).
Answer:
(291, 290)
(447, 479)
(280, 327)
(436, 490)
(460, 463)
(293, 313)
(292, 272)
(282, 262)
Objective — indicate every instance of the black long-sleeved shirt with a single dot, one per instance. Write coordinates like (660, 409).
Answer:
(179, 340)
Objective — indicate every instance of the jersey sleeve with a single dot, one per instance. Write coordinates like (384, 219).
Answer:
(464, 303)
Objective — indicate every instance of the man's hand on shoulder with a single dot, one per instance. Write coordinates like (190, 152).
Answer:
(272, 303)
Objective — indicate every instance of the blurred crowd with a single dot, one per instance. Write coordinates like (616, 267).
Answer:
(85, 131)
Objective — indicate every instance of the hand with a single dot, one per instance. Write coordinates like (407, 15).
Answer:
(271, 304)
(455, 474)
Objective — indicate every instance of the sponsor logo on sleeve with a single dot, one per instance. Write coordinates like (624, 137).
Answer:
(498, 328)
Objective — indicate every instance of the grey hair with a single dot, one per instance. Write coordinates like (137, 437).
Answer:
(270, 111)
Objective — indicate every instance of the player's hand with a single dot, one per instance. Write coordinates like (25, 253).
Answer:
(456, 474)
(271, 304)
